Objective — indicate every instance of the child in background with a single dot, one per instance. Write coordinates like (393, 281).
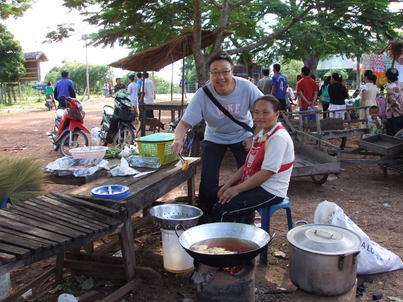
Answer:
(374, 122)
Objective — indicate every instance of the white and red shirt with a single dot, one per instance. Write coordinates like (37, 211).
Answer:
(272, 151)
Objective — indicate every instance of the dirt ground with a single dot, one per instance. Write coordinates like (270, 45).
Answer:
(367, 197)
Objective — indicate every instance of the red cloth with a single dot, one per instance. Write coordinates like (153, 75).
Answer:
(308, 87)
(258, 151)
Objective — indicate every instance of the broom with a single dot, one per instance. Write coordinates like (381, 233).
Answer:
(20, 179)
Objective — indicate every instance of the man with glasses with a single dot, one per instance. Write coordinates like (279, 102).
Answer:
(237, 96)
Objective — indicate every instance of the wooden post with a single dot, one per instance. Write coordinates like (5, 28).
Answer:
(126, 242)
(59, 267)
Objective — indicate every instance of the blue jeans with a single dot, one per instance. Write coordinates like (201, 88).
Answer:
(212, 156)
(306, 117)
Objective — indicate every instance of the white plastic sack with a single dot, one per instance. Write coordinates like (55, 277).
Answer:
(373, 258)
(123, 169)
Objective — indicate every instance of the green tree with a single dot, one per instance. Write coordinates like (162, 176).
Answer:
(98, 75)
(141, 24)
(14, 8)
(11, 57)
(350, 27)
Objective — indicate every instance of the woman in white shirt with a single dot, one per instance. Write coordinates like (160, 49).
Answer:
(368, 93)
(264, 178)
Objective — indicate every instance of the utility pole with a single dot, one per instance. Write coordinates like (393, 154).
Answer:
(87, 76)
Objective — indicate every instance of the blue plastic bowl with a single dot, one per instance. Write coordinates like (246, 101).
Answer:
(111, 192)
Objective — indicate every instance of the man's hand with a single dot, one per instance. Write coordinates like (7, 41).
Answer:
(229, 194)
(177, 147)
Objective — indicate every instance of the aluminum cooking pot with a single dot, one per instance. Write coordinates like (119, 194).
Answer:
(228, 235)
(167, 216)
(323, 258)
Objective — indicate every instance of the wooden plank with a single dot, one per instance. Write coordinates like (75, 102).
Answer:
(86, 204)
(61, 248)
(24, 236)
(6, 258)
(15, 250)
(127, 244)
(109, 203)
(95, 216)
(16, 240)
(27, 212)
(24, 228)
(58, 210)
(52, 227)
(121, 292)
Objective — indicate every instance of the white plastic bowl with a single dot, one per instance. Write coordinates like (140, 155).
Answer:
(97, 152)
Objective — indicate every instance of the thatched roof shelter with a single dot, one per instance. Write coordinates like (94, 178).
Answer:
(32, 66)
(157, 57)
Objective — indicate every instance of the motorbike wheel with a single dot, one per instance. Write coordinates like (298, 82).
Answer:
(79, 140)
(126, 137)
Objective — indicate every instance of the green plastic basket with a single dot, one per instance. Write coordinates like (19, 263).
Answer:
(157, 145)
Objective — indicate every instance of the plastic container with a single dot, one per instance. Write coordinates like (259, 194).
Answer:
(157, 145)
(111, 192)
(96, 152)
(94, 136)
(175, 258)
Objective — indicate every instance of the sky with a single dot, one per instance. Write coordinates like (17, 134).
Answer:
(30, 30)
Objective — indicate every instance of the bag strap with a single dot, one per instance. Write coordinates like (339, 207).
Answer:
(225, 111)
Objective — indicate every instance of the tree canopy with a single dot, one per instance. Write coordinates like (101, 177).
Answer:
(14, 8)
(11, 58)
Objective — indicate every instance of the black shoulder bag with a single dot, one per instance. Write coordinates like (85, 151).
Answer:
(225, 111)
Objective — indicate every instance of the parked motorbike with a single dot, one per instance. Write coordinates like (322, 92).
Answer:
(117, 128)
(69, 131)
(50, 103)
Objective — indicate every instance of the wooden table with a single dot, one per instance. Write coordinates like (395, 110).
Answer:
(172, 106)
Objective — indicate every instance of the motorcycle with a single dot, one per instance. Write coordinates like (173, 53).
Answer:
(117, 128)
(69, 131)
(50, 103)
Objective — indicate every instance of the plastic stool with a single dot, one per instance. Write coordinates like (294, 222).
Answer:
(266, 213)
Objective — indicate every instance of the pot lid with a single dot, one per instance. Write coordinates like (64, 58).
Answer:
(324, 239)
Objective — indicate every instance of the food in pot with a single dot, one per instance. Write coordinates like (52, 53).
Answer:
(224, 246)
(204, 249)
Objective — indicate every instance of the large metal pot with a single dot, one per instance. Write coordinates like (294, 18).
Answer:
(167, 216)
(225, 234)
(323, 258)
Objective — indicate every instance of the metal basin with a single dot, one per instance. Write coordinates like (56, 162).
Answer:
(167, 216)
(224, 230)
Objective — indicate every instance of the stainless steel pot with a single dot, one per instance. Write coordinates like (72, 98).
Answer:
(323, 258)
(167, 216)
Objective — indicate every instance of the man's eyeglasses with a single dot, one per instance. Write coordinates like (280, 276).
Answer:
(220, 73)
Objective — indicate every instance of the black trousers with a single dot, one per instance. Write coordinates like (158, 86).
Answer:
(242, 207)
(325, 106)
(212, 156)
(393, 125)
(283, 105)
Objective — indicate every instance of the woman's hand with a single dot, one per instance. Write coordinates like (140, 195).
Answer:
(247, 144)
(228, 194)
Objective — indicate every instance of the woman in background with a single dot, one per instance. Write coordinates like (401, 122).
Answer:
(337, 93)
(324, 96)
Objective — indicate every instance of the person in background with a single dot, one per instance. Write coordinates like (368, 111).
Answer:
(183, 85)
(149, 94)
(237, 95)
(264, 84)
(133, 92)
(308, 92)
(139, 82)
(368, 92)
(290, 97)
(324, 96)
(394, 106)
(337, 93)
(374, 122)
(119, 85)
(279, 86)
(264, 178)
(64, 88)
(49, 92)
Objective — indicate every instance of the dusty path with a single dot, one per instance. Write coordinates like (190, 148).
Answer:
(361, 190)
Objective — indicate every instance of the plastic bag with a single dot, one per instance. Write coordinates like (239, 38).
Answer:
(372, 258)
(144, 162)
(123, 169)
(68, 165)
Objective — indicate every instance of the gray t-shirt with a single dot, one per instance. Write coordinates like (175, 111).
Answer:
(219, 128)
(264, 85)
